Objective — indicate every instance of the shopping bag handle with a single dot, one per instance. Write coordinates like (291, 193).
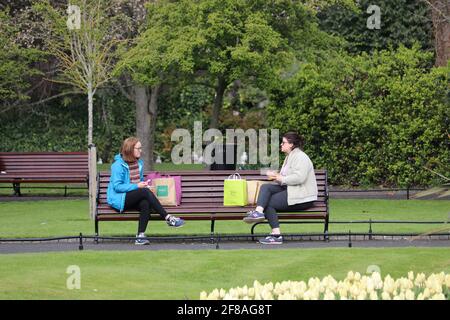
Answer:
(234, 176)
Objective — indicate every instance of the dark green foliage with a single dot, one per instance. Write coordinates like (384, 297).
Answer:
(56, 127)
(402, 22)
(370, 119)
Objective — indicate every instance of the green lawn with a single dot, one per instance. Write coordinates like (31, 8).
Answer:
(184, 274)
(70, 217)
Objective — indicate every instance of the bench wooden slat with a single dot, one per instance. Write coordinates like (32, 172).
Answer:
(43, 167)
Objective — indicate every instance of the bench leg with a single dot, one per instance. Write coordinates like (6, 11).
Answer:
(325, 231)
(16, 187)
(253, 229)
(212, 230)
(96, 230)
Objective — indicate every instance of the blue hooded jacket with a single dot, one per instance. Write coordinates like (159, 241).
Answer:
(119, 183)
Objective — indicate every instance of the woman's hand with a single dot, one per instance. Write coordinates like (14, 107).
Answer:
(274, 176)
(277, 177)
(142, 184)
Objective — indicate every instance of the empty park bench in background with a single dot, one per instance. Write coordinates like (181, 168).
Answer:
(43, 167)
(202, 199)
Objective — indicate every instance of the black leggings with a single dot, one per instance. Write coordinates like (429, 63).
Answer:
(273, 197)
(143, 200)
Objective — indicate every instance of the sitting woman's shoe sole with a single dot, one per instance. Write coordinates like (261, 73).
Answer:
(253, 220)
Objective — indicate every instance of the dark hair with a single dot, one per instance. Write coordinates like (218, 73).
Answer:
(295, 139)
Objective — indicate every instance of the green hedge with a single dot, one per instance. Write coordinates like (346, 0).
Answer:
(370, 119)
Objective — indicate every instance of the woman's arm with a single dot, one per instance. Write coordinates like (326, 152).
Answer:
(300, 167)
(118, 180)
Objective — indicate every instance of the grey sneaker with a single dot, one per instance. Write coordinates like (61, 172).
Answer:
(175, 222)
(272, 239)
(254, 216)
(140, 240)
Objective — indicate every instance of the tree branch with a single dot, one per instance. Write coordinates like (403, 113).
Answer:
(41, 101)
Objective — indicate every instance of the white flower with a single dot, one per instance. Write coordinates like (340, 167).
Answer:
(401, 296)
(329, 295)
(350, 276)
(370, 286)
(447, 280)
(266, 294)
(409, 295)
(426, 293)
(438, 296)
(373, 295)
(389, 284)
(269, 286)
(433, 284)
(203, 295)
(362, 295)
(222, 293)
(420, 279)
(343, 293)
(214, 295)
(385, 296)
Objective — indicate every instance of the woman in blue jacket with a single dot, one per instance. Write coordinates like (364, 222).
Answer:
(128, 190)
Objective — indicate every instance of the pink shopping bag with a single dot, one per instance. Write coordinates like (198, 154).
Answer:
(177, 179)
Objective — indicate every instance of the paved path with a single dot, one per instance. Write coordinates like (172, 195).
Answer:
(38, 247)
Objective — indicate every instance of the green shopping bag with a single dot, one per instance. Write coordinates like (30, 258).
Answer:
(234, 191)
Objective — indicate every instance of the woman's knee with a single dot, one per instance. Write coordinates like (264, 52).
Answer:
(147, 194)
(269, 211)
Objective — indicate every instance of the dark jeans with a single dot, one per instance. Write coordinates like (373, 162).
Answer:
(274, 197)
(144, 200)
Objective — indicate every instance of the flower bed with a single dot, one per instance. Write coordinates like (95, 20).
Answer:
(353, 287)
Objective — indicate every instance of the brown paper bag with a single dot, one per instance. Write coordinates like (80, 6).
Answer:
(253, 187)
(165, 191)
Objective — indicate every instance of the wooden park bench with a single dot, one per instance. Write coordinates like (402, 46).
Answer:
(43, 167)
(202, 199)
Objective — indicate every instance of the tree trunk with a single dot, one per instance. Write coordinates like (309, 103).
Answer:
(440, 12)
(92, 154)
(146, 114)
(142, 99)
(218, 102)
(153, 111)
(90, 112)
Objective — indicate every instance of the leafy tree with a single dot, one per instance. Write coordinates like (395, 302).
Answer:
(17, 64)
(221, 41)
(370, 119)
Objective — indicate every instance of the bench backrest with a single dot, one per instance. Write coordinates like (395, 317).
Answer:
(44, 162)
(202, 191)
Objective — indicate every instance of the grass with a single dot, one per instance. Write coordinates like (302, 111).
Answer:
(184, 274)
(70, 217)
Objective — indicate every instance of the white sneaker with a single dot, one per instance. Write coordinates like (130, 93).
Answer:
(140, 239)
